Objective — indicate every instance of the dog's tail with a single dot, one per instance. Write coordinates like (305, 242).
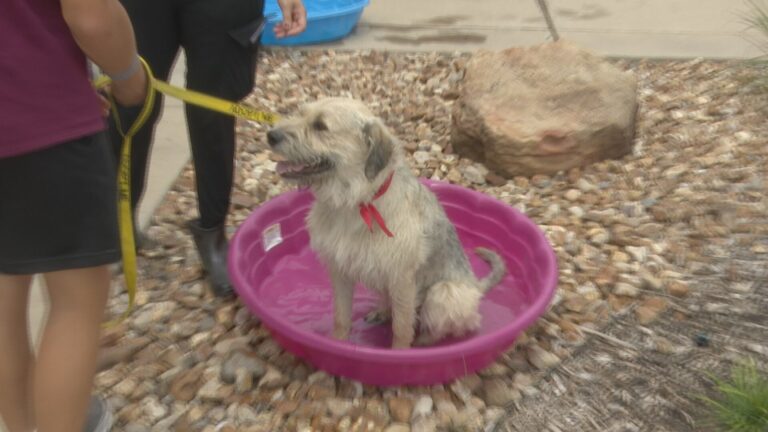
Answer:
(498, 268)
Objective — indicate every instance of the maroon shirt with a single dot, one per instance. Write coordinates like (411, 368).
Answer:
(45, 94)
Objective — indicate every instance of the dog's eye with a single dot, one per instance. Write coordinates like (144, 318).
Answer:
(319, 125)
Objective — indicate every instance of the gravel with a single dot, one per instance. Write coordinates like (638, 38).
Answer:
(624, 232)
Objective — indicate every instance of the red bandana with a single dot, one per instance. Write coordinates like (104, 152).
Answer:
(368, 211)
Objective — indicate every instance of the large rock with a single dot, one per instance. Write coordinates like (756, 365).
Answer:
(542, 109)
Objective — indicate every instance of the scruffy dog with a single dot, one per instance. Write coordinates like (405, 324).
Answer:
(374, 222)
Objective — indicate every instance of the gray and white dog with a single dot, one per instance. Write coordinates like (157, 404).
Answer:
(374, 222)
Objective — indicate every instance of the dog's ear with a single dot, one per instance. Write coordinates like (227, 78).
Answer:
(380, 146)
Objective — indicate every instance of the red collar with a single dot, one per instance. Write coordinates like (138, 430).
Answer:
(369, 211)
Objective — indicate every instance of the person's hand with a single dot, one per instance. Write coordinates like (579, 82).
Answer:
(131, 91)
(294, 18)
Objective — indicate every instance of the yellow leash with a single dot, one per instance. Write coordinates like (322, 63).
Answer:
(127, 241)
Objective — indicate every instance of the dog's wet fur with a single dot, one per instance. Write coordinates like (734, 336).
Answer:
(344, 153)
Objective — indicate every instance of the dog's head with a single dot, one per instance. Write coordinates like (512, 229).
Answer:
(332, 138)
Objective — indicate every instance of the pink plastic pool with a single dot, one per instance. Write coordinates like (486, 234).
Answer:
(279, 278)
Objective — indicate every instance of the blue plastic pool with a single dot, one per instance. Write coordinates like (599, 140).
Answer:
(327, 20)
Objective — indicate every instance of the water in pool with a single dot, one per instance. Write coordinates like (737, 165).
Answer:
(299, 291)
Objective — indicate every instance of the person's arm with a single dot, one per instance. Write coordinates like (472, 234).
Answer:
(104, 32)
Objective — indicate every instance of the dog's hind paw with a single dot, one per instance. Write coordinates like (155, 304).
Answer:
(378, 316)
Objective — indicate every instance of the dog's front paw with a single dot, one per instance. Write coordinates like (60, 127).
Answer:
(425, 339)
(341, 333)
(378, 316)
(401, 344)
(402, 341)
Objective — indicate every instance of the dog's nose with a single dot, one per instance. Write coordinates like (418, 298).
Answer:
(275, 137)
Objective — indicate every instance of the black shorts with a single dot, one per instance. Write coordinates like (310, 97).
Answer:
(58, 208)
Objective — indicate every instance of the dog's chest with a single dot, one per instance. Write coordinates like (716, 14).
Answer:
(342, 239)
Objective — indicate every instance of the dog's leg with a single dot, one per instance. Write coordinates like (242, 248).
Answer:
(343, 290)
(403, 299)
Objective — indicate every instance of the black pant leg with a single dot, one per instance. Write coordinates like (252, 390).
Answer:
(157, 36)
(220, 66)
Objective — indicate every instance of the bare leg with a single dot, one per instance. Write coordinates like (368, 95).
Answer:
(403, 298)
(343, 291)
(69, 347)
(16, 358)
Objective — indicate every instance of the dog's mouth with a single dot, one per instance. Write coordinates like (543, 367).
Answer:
(295, 169)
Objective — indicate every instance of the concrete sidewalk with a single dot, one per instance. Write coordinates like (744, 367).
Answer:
(619, 28)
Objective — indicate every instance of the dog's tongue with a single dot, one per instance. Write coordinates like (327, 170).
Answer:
(288, 167)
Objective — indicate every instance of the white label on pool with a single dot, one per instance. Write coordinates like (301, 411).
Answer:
(271, 237)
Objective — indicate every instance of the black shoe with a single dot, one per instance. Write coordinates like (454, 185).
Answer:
(212, 246)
